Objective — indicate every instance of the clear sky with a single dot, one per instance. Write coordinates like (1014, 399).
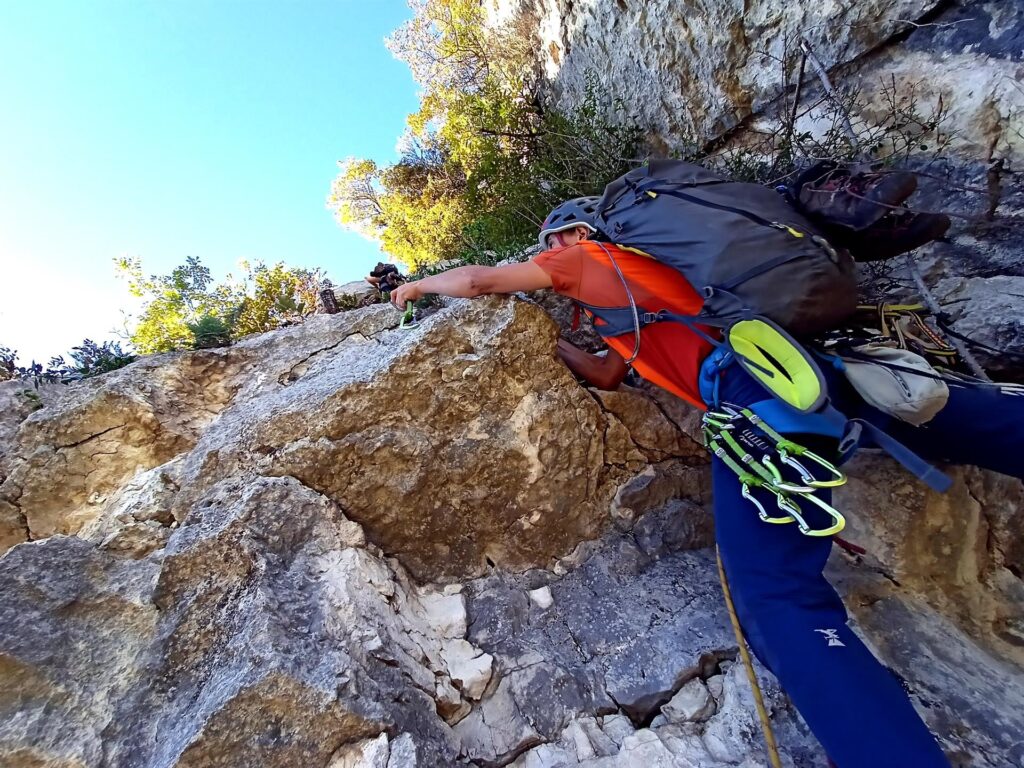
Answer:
(172, 128)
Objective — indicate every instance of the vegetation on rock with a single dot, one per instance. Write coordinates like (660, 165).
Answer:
(87, 359)
(483, 160)
(186, 309)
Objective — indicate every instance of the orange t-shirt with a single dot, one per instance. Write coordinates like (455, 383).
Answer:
(670, 353)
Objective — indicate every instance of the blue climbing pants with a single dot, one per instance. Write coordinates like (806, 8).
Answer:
(793, 618)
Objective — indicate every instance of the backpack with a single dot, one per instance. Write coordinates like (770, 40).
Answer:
(764, 271)
(743, 247)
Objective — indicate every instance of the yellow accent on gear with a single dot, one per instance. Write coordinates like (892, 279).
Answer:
(637, 251)
(788, 373)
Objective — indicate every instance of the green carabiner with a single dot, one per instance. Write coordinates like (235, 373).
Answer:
(838, 521)
(761, 511)
(791, 508)
(787, 449)
(408, 319)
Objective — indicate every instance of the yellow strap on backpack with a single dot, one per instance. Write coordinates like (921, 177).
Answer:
(778, 362)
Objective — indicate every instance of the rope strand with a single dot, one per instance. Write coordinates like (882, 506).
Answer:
(762, 712)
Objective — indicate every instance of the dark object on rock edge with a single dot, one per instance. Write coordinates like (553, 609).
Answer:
(387, 277)
(896, 233)
(329, 301)
(851, 198)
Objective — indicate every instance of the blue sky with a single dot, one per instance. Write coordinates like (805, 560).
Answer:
(173, 128)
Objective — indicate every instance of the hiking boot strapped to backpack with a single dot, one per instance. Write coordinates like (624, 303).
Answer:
(863, 210)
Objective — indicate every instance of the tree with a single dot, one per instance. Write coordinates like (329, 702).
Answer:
(172, 302)
(186, 309)
(273, 296)
(416, 208)
(483, 162)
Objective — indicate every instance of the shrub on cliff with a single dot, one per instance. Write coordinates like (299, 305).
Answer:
(186, 309)
(483, 161)
(88, 359)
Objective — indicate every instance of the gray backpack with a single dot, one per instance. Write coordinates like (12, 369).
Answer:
(741, 246)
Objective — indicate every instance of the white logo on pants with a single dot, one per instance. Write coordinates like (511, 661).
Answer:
(832, 635)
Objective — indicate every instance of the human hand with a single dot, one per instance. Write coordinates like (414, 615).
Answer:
(406, 292)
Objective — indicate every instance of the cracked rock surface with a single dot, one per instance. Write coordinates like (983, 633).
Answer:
(361, 547)
(346, 545)
(240, 542)
(695, 73)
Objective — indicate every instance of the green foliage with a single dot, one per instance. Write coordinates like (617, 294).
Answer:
(483, 162)
(175, 305)
(416, 208)
(91, 359)
(210, 331)
(173, 301)
(273, 296)
(34, 372)
(87, 359)
(31, 397)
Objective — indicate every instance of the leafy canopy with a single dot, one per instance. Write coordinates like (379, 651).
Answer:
(186, 309)
(483, 161)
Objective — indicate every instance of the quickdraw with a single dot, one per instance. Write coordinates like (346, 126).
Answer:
(754, 452)
(409, 318)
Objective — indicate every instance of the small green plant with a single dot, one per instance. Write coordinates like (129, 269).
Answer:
(210, 331)
(91, 359)
(31, 397)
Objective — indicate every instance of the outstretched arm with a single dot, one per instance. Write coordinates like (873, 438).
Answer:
(602, 372)
(467, 282)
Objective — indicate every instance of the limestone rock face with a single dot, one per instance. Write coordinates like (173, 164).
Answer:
(697, 69)
(359, 411)
(343, 544)
(18, 400)
(292, 570)
(267, 631)
(961, 550)
(412, 431)
(193, 556)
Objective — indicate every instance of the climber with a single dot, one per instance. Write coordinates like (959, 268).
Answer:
(793, 619)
